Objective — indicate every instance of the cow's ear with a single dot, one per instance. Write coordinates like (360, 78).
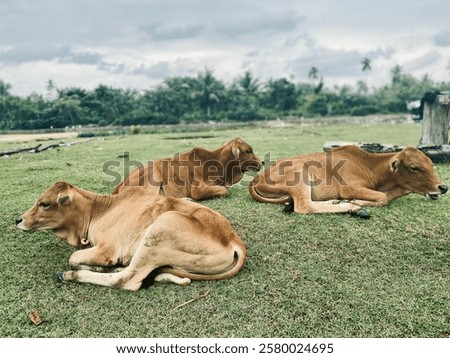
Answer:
(63, 199)
(394, 165)
(236, 152)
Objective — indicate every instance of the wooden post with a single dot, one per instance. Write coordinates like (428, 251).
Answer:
(435, 125)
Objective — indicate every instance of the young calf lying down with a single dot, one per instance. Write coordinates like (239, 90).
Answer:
(139, 232)
(197, 173)
(345, 179)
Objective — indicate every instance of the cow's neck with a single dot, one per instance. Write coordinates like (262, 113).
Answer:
(89, 207)
(231, 171)
(100, 204)
(385, 180)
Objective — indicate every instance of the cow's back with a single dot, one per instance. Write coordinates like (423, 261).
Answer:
(324, 172)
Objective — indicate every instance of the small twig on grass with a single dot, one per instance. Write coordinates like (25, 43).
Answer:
(38, 149)
(203, 295)
(19, 150)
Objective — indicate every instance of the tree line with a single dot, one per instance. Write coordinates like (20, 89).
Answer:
(205, 98)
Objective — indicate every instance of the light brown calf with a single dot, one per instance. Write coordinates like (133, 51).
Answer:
(142, 233)
(345, 179)
(198, 173)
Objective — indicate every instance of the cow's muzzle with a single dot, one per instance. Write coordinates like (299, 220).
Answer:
(256, 167)
(20, 224)
(435, 195)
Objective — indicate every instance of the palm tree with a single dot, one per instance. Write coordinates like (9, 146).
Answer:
(366, 64)
(210, 90)
(313, 75)
(247, 84)
(4, 89)
(4, 96)
(396, 73)
(243, 94)
(52, 91)
(366, 67)
(281, 95)
(68, 108)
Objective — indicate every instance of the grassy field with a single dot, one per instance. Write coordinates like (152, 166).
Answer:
(306, 276)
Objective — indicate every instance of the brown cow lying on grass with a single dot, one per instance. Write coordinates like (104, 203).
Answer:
(175, 239)
(345, 179)
(198, 173)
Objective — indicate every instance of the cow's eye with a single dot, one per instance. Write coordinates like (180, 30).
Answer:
(44, 205)
(249, 151)
(415, 168)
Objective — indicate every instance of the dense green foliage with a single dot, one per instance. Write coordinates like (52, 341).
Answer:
(205, 98)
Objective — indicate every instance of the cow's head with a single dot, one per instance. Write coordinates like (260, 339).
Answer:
(54, 210)
(243, 152)
(416, 174)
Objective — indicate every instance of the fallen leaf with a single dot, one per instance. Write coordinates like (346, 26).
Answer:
(35, 318)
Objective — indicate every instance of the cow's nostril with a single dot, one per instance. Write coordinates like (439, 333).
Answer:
(443, 188)
(18, 220)
(262, 162)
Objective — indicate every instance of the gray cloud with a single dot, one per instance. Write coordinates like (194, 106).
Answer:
(424, 61)
(142, 42)
(34, 51)
(116, 67)
(159, 70)
(442, 39)
(163, 32)
(261, 25)
(84, 57)
(303, 38)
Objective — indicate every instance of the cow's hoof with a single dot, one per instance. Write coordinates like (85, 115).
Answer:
(288, 207)
(361, 213)
(60, 276)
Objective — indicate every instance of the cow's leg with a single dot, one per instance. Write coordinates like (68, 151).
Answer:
(201, 191)
(172, 240)
(142, 263)
(169, 278)
(364, 197)
(92, 259)
(303, 203)
(322, 207)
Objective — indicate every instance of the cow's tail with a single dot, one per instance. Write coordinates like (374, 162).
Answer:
(118, 188)
(240, 256)
(281, 200)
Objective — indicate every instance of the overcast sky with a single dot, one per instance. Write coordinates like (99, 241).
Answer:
(138, 43)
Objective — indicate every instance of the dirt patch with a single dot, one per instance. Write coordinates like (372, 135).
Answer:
(21, 137)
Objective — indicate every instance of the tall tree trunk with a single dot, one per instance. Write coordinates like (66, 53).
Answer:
(435, 125)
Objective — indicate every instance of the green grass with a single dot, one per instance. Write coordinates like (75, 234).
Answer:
(306, 275)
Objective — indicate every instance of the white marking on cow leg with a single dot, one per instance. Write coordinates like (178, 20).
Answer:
(304, 204)
(146, 259)
(330, 206)
(91, 268)
(121, 279)
(142, 263)
(169, 278)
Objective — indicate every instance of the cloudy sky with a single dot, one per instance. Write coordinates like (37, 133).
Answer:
(138, 43)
